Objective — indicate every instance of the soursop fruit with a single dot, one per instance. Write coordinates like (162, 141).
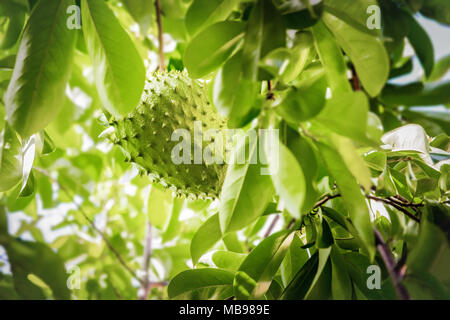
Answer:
(171, 101)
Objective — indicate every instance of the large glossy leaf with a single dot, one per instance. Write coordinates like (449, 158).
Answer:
(415, 94)
(203, 13)
(353, 160)
(233, 95)
(366, 51)
(36, 90)
(353, 13)
(212, 47)
(422, 44)
(245, 191)
(357, 265)
(202, 284)
(352, 195)
(257, 271)
(346, 114)
(305, 101)
(15, 12)
(306, 157)
(265, 31)
(440, 69)
(288, 178)
(143, 12)
(10, 159)
(341, 284)
(119, 70)
(159, 207)
(294, 260)
(437, 9)
(228, 260)
(205, 238)
(431, 253)
(38, 259)
(300, 284)
(332, 59)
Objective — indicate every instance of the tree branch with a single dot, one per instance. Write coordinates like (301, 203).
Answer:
(395, 205)
(145, 288)
(388, 260)
(272, 225)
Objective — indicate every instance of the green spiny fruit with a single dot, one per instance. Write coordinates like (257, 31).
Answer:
(170, 101)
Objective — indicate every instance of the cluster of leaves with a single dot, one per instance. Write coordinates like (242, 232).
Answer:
(362, 179)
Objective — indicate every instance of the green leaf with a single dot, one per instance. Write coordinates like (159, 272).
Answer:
(416, 94)
(305, 154)
(422, 45)
(353, 160)
(10, 159)
(352, 195)
(261, 265)
(295, 258)
(347, 115)
(202, 284)
(203, 13)
(15, 13)
(233, 96)
(159, 207)
(324, 254)
(205, 238)
(119, 81)
(353, 13)
(438, 10)
(432, 250)
(212, 47)
(265, 32)
(36, 258)
(142, 11)
(367, 53)
(245, 191)
(356, 265)
(300, 284)
(42, 68)
(45, 191)
(287, 177)
(3, 223)
(173, 227)
(332, 60)
(305, 101)
(228, 260)
(440, 69)
(341, 284)
(304, 18)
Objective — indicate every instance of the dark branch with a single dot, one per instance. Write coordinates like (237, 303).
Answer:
(388, 260)
(395, 205)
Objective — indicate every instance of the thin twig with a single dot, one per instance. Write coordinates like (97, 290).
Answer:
(145, 288)
(318, 204)
(96, 229)
(395, 205)
(325, 200)
(270, 95)
(272, 225)
(160, 36)
(355, 80)
(388, 260)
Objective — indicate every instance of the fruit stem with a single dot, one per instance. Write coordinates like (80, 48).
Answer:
(160, 36)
